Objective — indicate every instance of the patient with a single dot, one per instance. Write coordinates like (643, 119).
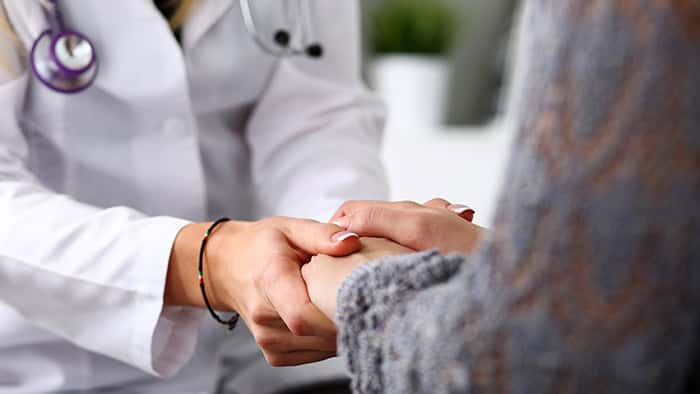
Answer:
(590, 280)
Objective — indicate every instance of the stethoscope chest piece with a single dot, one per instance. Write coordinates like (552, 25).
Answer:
(63, 60)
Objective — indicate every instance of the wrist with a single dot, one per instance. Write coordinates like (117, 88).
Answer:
(182, 285)
(219, 255)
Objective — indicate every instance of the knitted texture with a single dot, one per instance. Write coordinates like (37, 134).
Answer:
(385, 283)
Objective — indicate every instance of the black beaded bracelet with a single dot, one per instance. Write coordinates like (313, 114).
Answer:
(231, 323)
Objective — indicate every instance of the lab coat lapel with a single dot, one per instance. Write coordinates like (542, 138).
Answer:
(138, 54)
(204, 16)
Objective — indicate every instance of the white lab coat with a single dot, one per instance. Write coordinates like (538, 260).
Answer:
(94, 186)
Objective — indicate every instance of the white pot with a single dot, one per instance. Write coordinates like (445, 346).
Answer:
(414, 89)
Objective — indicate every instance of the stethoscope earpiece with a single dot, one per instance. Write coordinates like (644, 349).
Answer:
(314, 50)
(282, 37)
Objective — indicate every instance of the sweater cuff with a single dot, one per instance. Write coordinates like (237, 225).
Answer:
(369, 296)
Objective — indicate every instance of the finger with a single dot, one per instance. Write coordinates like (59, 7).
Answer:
(265, 316)
(350, 207)
(287, 293)
(438, 203)
(315, 238)
(297, 358)
(280, 340)
(463, 211)
(406, 227)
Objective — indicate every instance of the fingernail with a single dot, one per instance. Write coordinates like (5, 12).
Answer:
(459, 208)
(343, 235)
(340, 222)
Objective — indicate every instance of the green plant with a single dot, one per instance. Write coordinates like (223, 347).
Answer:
(425, 27)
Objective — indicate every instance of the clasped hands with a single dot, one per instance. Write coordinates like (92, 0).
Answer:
(282, 274)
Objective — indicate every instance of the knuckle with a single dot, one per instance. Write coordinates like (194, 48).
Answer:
(365, 217)
(349, 207)
(296, 325)
(258, 318)
(259, 315)
(274, 359)
(267, 341)
(437, 202)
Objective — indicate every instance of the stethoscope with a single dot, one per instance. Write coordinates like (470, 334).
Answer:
(66, 61)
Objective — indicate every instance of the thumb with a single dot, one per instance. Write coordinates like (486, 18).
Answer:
(315, 238)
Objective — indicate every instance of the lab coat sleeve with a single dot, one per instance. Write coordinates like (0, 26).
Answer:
(92, 276)
(315, 134)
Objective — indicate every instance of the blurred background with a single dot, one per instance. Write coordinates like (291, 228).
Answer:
(443, 67)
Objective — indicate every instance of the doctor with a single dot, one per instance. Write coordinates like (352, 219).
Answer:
(120, 142)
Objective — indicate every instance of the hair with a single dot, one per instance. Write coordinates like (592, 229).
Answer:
(182, 11)
(9, 44)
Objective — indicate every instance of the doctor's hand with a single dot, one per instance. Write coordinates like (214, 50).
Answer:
(255, 269)
(436, 224)
(324, 274)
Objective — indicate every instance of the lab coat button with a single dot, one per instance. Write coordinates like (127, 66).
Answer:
(174, 126)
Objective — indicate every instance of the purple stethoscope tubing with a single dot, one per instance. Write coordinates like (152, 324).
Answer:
(56, 75)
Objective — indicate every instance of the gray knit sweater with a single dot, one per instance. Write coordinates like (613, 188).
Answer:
(590, 281)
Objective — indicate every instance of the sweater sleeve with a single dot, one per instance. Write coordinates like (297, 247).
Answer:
(369, 295)
(589, 282)
(394, 314)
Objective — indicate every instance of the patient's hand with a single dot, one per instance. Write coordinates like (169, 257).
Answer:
(324, 274)
(417, 226)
